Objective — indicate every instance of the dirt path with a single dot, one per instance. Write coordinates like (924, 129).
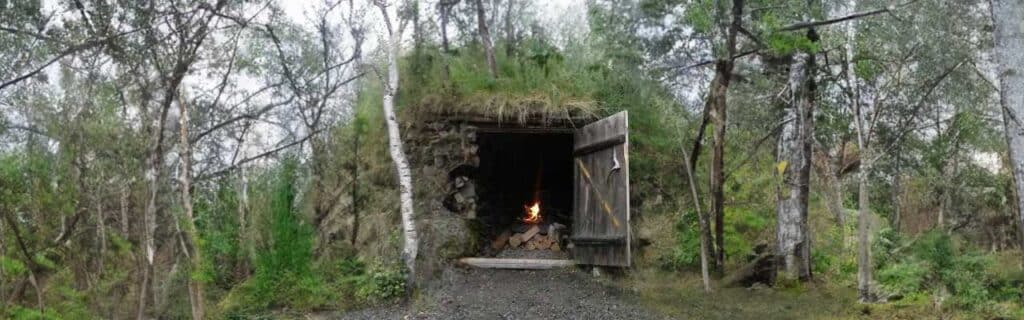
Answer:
(511, 294)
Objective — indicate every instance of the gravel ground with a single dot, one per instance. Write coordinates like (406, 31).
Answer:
(532, 254)
(513, 294)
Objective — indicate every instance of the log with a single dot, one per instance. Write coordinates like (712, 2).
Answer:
(530, 233)
(501, 240)
(760, 268)
(555, 247)
(515, 240)
(533, 264)
(531, 245)
(544, 243)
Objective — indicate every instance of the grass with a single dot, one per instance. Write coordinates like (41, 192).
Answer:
(535, 83)
(681, 295)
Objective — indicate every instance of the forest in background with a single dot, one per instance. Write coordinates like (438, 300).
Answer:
(215, 159)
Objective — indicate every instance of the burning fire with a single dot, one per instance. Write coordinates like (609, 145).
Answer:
(532, 213)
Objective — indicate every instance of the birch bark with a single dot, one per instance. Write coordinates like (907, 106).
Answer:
(1008, 16)
(411, 240)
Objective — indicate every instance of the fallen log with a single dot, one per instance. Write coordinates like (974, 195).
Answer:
(532, 264)
(760, 269)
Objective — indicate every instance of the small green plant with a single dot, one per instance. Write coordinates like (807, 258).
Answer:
(380, 285)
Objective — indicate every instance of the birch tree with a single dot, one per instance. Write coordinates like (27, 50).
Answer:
(1008, 16)
(392, 43)
(485, 38)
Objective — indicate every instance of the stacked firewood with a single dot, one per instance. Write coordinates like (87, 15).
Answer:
(534, 237)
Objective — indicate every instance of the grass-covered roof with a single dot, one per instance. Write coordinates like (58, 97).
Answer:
(534, 84)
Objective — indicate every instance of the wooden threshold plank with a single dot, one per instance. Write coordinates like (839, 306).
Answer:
(532, 264)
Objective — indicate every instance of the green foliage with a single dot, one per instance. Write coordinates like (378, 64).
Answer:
(743, 228)
(289, 247)
(380, 285)
(686, 251)
(742, 233)
(219, 234)
(699, 16)
(781, 43)
(935, 263)
(284, 275)
(12, 268)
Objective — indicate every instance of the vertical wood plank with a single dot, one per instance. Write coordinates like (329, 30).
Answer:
(610, 185)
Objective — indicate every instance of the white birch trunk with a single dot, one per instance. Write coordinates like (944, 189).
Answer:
(1008, 16)
(409, 247)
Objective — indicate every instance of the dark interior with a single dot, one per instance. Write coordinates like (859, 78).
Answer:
(515, 169)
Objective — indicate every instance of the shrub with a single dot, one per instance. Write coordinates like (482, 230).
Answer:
(380, 285)
(284, 274)
(935, 263)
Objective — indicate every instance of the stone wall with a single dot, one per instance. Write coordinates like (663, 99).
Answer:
(443, 156)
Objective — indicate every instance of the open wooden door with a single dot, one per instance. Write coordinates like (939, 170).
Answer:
(600, 228)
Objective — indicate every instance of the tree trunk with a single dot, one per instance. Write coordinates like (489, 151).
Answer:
(195, 286)
(446, 9)
(355, 184)
(101, 237)
(863, 231)
(156, 161)
(510, 33)
(719, 89)
(1008, 16)
(705, 230)
(833, 195)
(409, 247)
(864, 265)
(897, 190)
(866, 162)
(485, 38)
(124, 212)
(717, 115)
(794, 164)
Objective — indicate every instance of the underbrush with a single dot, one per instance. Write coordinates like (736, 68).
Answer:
(286, 277)
(940, 269)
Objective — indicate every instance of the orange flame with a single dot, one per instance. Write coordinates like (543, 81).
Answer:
(532, 213)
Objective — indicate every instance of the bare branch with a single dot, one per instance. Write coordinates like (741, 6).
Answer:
(257, 157)
(857, 15)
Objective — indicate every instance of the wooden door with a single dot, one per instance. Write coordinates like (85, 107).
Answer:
(600, 228)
